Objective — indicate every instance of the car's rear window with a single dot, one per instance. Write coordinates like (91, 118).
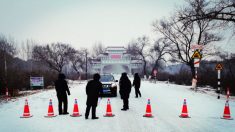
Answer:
(106, 78)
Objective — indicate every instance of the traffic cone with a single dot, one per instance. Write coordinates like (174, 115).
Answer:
(75, 110)
(226, 112)
(184, 113)
(148, 110)
(109, 110)
(26, 113)
(50, 110)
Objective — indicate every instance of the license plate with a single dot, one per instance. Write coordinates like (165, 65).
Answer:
(106, 90)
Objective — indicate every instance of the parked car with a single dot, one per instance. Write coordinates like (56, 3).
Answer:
(109, 85)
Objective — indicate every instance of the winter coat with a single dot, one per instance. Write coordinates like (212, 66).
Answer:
(92, 90)
(136, 82)
(61, 87)
(125, 87)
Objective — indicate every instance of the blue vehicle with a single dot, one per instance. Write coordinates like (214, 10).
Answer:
(109, 85)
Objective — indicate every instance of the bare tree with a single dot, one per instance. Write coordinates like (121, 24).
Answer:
(27, 48)
(160, 49)
(7, 46)
(222, 11)
(55, 55)
(78, 61)
(138, 48)
(98, 49)
(7, 49)
(198, 32)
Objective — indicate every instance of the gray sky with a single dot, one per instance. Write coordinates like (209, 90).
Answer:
(82, 23)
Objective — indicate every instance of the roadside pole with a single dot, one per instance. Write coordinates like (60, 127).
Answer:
(196, 57)
(219, 68)
(196, 66)
(218, 84)
(228, 93)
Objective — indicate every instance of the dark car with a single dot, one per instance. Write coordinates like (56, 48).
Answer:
(109, 85)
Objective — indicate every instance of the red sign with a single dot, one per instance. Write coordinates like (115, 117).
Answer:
(115, 56)
(196, 46)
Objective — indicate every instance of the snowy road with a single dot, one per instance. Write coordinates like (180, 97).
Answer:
(166, 101)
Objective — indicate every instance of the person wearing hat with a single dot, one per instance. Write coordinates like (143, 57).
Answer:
(62, 90)
(93, 88)
(125, 90)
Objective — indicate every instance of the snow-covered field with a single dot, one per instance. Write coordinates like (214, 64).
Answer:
(166, 101)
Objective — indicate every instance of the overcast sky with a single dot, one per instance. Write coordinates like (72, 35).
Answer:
(82, 23)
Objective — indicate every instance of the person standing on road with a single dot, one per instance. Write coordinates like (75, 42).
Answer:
(125, 89)
(93, 88)
(61, 87)
(136, 84)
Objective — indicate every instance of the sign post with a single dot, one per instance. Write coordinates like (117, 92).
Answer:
(196, 57)
(196, 65)
(219, 68)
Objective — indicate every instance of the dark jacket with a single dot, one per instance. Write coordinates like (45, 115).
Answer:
(125, 87)
(92, 90)
(61, 87)
(136, 82)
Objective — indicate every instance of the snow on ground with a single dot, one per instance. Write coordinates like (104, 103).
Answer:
(166, 101)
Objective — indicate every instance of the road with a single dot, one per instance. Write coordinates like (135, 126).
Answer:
(166, 102)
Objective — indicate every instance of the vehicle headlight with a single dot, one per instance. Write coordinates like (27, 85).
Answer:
(113, 85)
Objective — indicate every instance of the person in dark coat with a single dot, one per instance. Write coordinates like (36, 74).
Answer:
(136, 84)
(93, 88)
(61, 87)
(125, 89)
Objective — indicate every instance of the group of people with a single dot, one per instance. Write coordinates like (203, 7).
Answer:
(93, 89)
(125, 88)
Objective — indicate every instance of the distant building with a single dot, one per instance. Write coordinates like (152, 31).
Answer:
(116, 60)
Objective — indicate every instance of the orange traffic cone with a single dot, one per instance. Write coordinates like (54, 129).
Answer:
(184, 113)
(50, 110)
(148, 110)
(109, 110)
(26, 113)
(226, 112)
(75, 110)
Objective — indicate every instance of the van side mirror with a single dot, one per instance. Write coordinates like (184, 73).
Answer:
(116, 80)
